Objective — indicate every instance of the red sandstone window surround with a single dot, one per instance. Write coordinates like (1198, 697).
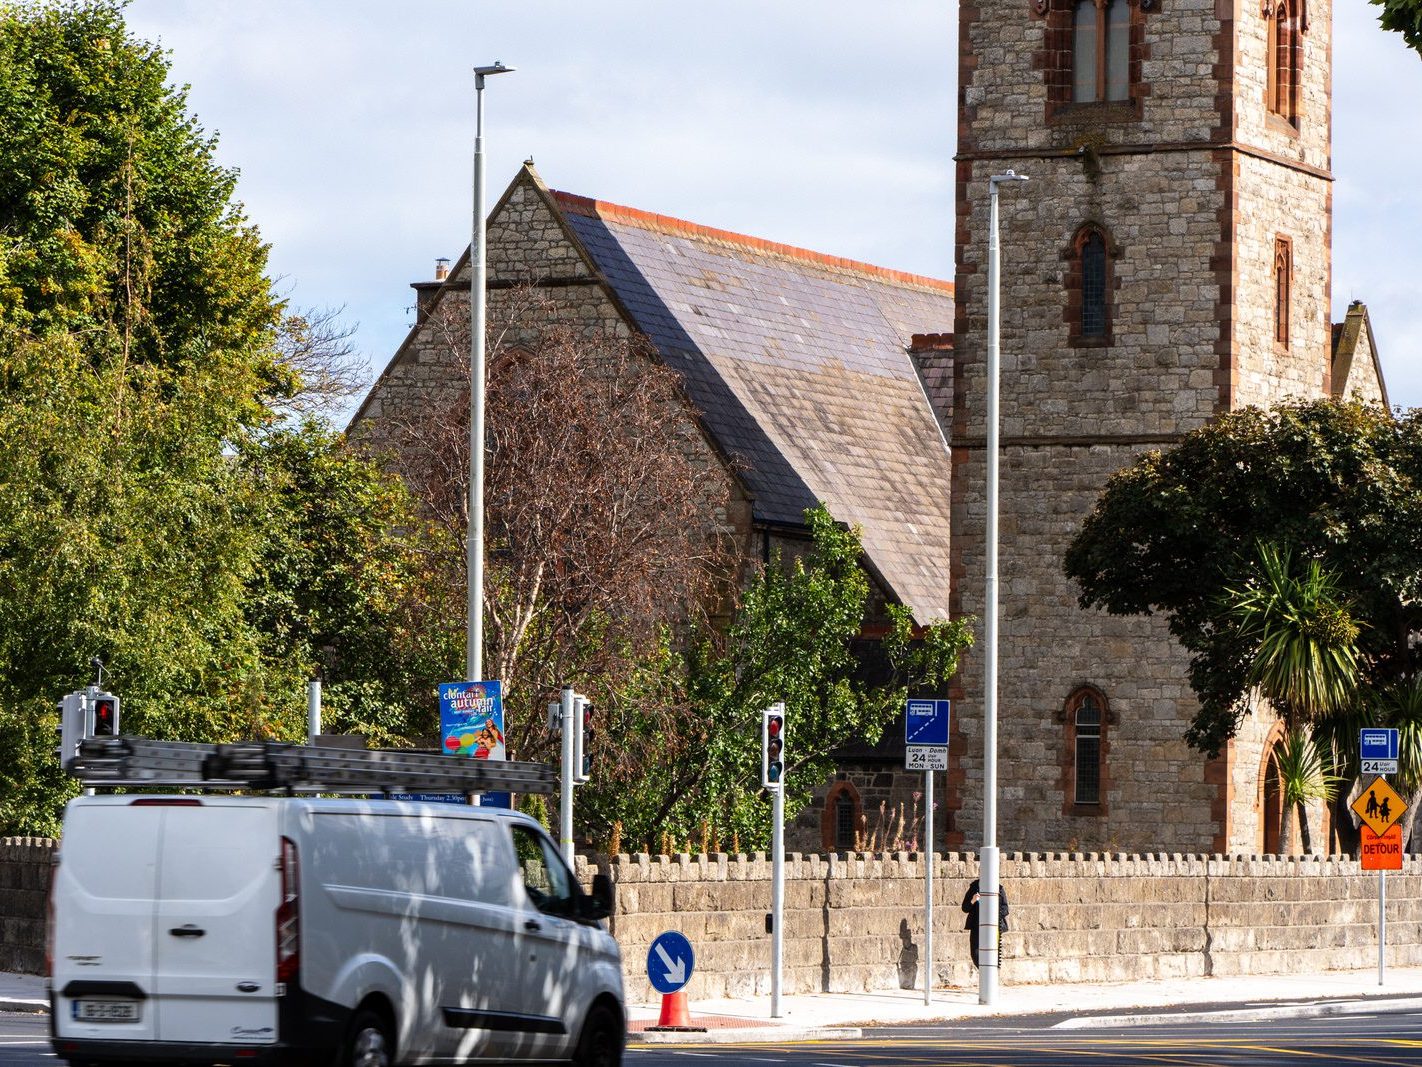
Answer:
(1085, 779)
(1092, 57)
(1283, 288)
(842, 819)
(1089, 283)
(1285, 57)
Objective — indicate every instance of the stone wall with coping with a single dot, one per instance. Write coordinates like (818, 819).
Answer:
(854, 921)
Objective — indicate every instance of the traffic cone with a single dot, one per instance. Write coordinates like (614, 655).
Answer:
(674, 1011)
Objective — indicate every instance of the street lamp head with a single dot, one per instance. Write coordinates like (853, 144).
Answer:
(1010, 176)
(497, 68)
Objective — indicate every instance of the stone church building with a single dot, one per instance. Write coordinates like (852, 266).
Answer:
(1169, 260)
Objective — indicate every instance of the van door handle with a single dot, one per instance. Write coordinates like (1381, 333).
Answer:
(187, 931)
(532, 924)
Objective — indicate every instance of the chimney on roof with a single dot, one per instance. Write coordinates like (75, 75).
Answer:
(425, 292)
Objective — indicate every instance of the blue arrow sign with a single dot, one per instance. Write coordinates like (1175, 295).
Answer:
(1377, 744)
(670, 961)
(926, 722)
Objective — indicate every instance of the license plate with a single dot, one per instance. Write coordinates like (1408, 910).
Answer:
(105, 1011)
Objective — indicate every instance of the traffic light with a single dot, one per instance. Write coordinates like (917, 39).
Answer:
(772, 747)
(582, 740)
(104, 707)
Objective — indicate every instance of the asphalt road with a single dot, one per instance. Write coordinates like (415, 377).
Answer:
(1389, 1040)
(1378, 1040)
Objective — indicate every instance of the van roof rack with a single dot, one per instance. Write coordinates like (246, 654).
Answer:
(273, 766)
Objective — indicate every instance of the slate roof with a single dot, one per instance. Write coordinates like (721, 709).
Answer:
(798, 363)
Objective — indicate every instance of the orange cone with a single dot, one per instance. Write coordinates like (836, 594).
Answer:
(674, 1011)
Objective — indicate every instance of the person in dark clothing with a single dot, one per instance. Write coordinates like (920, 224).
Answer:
(970, 906)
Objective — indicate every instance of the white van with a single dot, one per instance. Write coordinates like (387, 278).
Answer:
(280, 930)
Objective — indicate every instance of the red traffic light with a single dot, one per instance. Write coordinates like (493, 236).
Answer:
(105, 717)
(773, 725)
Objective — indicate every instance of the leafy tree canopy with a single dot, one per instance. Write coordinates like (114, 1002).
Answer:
(154, 511)
(1404, 16)
(684, 749)
(1339, 483)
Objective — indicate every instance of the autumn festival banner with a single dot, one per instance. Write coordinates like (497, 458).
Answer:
(471, 719)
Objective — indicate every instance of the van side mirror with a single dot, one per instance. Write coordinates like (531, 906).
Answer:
(600, 902)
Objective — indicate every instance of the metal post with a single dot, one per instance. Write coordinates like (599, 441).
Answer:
(565, 805)
(777, 895)
(987, 857)
(313, 710)
(478, 301)
(928, 887)
(1382, 922)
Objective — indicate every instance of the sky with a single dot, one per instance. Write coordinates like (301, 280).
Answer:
(827, 124)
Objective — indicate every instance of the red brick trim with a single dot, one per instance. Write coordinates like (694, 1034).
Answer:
(931, 342)
(1054, 60)
(647, 220)
(1067, 717)
(1223, 264)
(827, 815)
(1074, 281)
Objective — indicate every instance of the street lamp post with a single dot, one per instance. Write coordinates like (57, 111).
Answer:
(478, 300)
(987, 856)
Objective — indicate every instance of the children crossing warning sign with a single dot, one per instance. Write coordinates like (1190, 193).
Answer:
(1382, 852)
(1379, 806)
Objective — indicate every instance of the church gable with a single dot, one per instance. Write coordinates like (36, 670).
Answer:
(1356, 373)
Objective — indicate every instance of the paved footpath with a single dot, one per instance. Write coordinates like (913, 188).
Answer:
(807, 1016)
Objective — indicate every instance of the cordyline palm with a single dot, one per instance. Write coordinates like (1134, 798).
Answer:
(1304, 661)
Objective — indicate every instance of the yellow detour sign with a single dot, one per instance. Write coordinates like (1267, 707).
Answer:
(1381, 852)
(1379, 806)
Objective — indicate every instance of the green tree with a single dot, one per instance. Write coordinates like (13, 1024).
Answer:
(1294, 628)
(1404, 16)
(684, 730)
(1334, 484)
(153, 512)
(1339, 483)
(346, 583)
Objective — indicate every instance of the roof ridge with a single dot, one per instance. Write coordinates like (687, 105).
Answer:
(602, 209)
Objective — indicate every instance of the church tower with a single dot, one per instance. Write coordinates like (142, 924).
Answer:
(1169, 260)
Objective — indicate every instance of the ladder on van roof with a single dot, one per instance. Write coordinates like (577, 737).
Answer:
(266, 766)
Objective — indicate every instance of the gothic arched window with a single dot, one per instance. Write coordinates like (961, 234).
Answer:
(1084, 770)
(1100, 51)
(1285, 59)
(1088, 280)
(1283, 286)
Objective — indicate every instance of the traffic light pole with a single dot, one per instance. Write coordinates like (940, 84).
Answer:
(777, 897)
(567, 707)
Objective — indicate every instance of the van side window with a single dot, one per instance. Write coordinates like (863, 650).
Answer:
(549, 885)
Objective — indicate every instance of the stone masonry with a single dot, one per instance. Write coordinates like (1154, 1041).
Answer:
(854, 921)
(1194, 185)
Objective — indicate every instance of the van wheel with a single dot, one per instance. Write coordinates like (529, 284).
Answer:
(601, 1042)
(369, 1044)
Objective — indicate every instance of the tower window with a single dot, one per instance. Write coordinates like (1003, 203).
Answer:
(1088, 279)
(1283, 279)
(1084, 768)
(1285, 59)
(1093, 285)
(1088, 751)
(1100, 51)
